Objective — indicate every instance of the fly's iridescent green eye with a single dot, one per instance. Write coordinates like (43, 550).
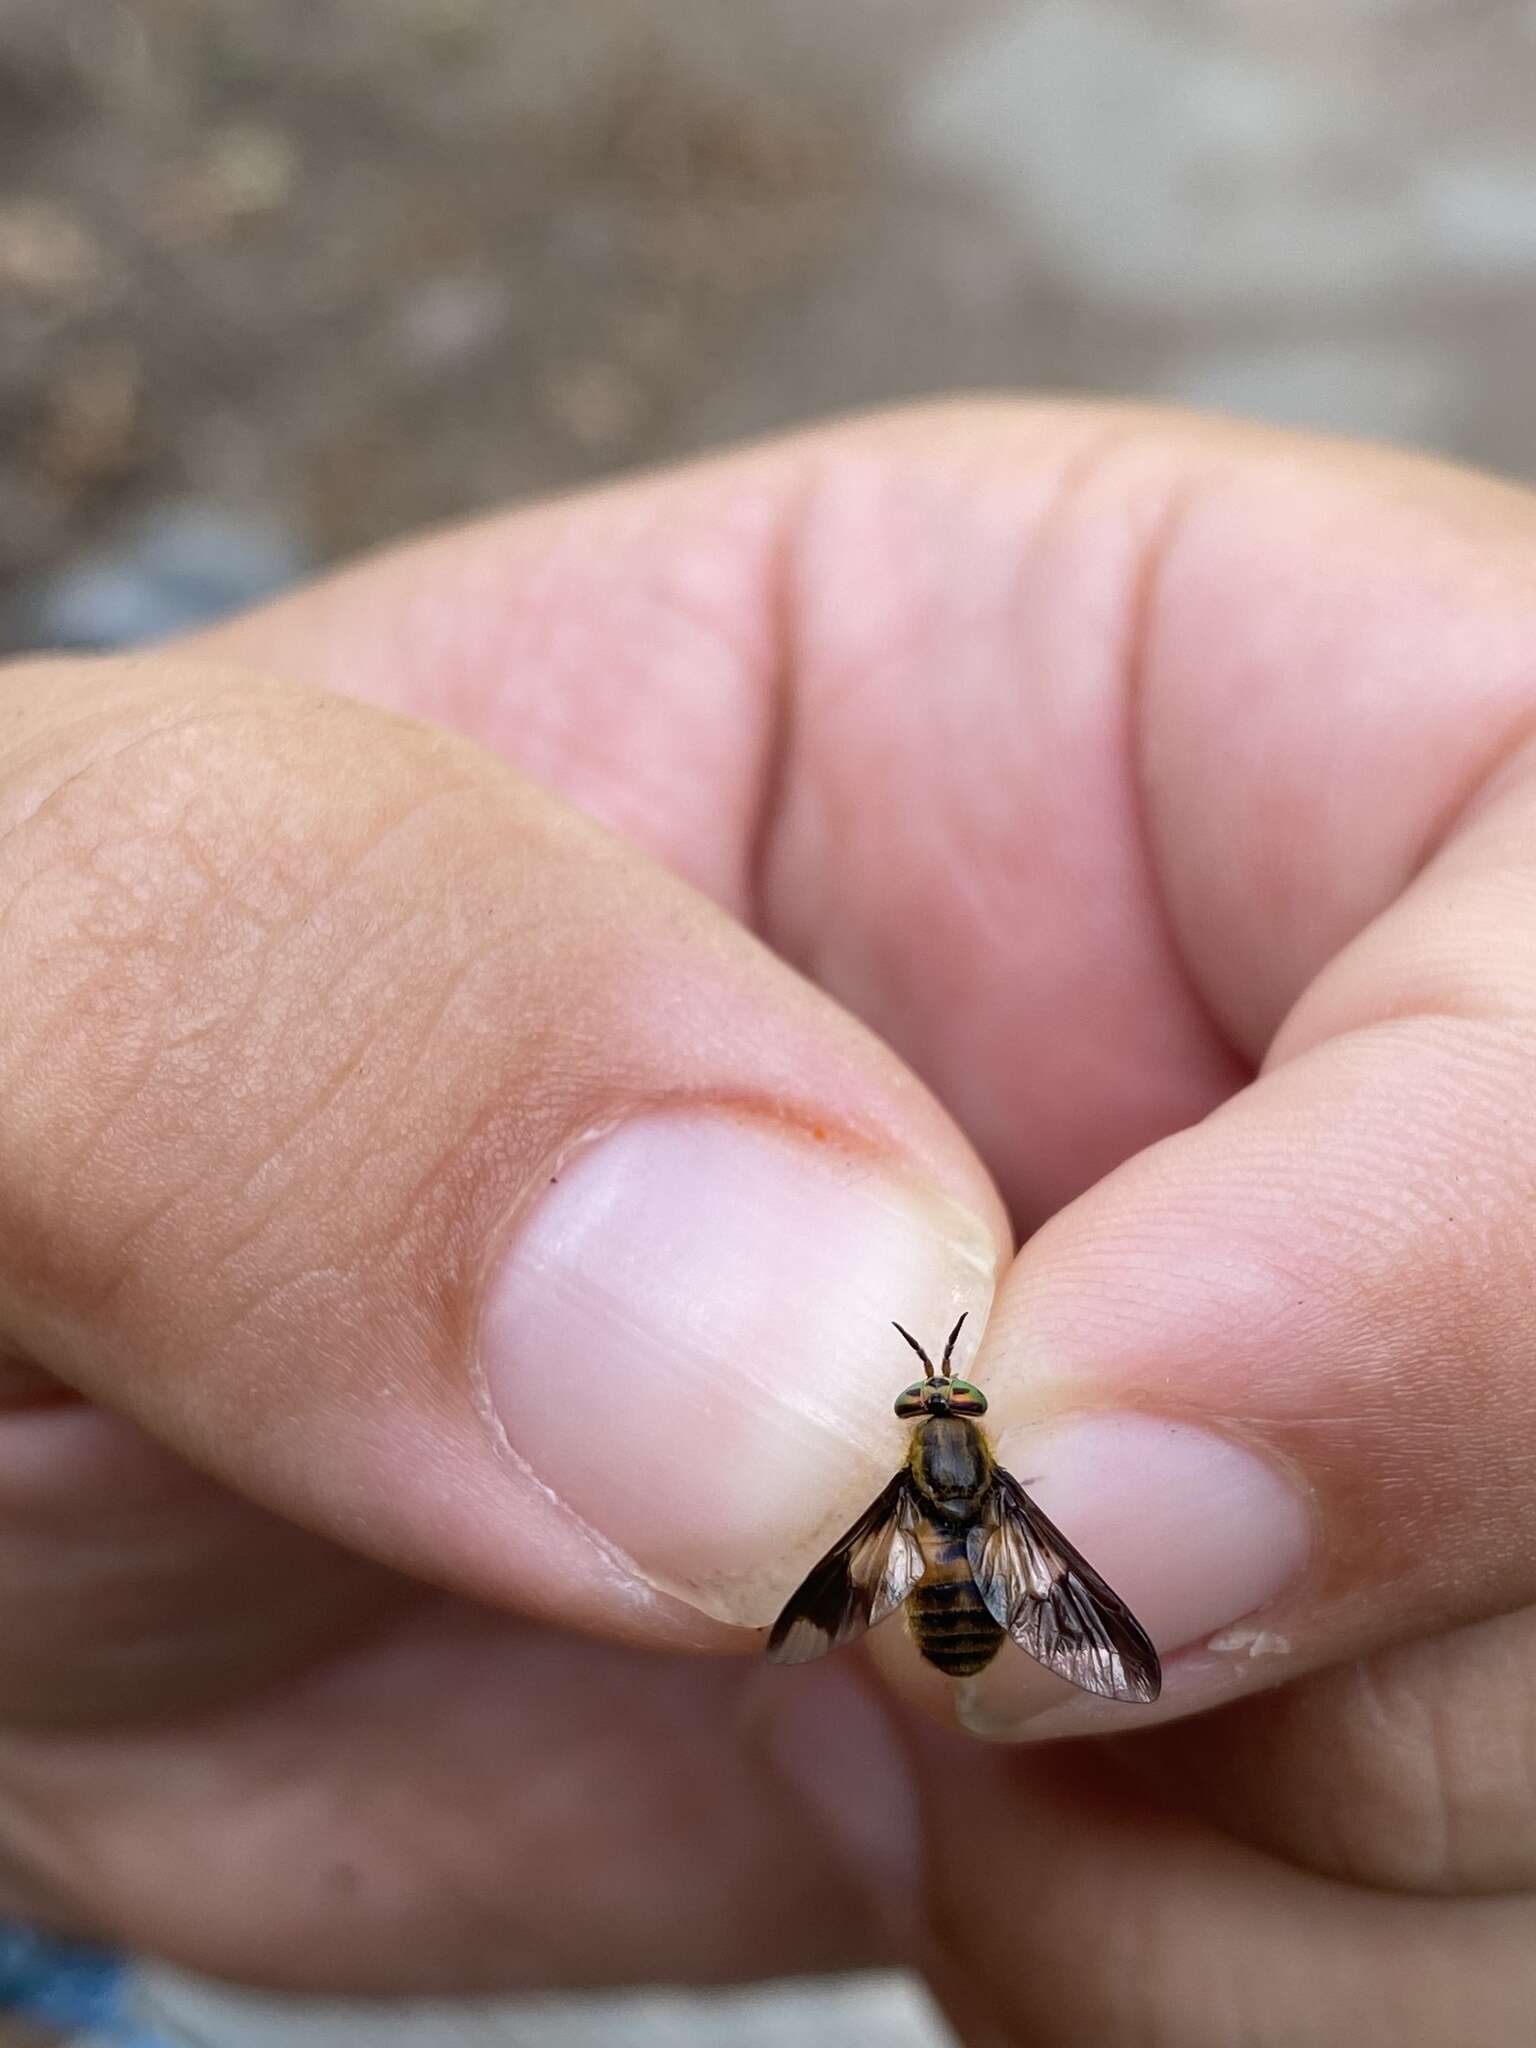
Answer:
(912, 1401)
(964, 1399)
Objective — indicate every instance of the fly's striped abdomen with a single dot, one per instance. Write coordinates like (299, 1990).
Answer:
(949, 1623)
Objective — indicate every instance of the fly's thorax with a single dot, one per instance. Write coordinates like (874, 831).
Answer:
(951, 1462)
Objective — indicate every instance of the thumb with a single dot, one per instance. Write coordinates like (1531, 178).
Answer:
(403, 1150)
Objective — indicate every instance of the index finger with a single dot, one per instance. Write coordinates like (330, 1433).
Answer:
(1062, 742)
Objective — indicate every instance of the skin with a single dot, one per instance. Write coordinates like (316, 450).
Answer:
(1223, 737)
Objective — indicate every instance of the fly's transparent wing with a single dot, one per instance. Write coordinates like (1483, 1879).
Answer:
(1053, 1603)
(863, 1578)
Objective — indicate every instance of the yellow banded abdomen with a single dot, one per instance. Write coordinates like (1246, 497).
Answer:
(945, 1613)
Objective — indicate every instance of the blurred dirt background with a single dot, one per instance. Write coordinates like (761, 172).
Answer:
(278, 281)
(328, 271)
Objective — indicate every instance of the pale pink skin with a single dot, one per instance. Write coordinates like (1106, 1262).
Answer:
(476, 1252)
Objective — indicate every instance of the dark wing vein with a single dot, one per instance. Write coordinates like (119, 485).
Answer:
(865, 1576)
(1053, 1603)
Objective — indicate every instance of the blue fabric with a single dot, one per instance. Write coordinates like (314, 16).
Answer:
(66, 1985)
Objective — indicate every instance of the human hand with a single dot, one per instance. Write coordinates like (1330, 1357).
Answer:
(447, 1262)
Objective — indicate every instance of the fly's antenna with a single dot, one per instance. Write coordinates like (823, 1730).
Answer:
(922, 1354)
(949, 1348)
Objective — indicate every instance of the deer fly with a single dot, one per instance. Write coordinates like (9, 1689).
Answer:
(958, 1542)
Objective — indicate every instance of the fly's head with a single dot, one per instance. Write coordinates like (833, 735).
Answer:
(939, 1393)
(940, 1397)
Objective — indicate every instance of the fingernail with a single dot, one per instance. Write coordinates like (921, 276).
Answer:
(1192, 1530)
(688, 1341)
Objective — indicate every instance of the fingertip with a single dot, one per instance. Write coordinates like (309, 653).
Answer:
(683, 1341)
